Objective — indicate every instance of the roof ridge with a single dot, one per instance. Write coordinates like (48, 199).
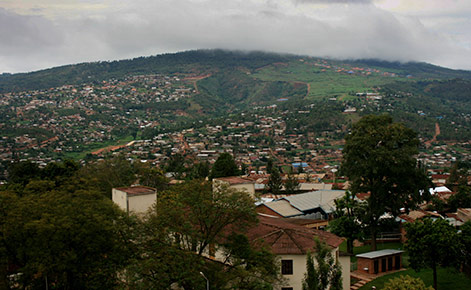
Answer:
(288, 233)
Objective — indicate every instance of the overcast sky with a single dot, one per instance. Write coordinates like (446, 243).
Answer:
(37, 34)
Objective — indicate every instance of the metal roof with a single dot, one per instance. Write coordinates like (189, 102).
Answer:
(379, 254)
(323, 199)
(283, 208)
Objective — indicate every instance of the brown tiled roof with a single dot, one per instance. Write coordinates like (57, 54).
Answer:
(287, 238)
(418, 214)
(137, 190)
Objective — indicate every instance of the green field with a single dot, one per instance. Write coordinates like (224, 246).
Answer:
(324, 83)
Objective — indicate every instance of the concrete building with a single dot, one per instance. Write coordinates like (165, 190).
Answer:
(236, 182)
(135, 199)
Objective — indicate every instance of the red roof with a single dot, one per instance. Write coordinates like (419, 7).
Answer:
(288, 238)
(137, 190)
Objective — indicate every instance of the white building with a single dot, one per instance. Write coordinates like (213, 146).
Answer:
(135, 199)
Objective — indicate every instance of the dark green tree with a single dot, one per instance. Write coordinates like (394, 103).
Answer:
(347, 224)
(465, 237)
(224, 166)
(269, 165)
(22, 172)
(109, 173)
(379, 158)
(431, 244)
(274, 182)
(325, 273)
(199, 170)
(458, 175)
(176, 164)
(64, 240)
(461, 199)
(152, 177)
(292, 184)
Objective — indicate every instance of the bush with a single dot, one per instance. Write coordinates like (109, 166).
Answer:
(406, 283)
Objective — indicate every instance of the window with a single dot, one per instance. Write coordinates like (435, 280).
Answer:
(287, 267)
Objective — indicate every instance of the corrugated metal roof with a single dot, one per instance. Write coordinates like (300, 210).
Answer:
(323, 199)
(378, 254)
(283, 208)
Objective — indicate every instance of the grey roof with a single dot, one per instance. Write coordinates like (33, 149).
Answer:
(323, 199)
(378, 254)
(283, 208)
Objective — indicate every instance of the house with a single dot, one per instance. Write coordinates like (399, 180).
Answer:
(412, 216)
(313, 205)
(236, 182)
(291, 243)
(379, 261)
(134, 199)
(464, 214)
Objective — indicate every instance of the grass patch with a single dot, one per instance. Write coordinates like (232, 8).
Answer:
(323, 83)
(448, 279)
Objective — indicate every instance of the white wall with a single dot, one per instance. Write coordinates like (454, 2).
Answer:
(119, 198)
(299, 268)
(140, 204)
(247, 187)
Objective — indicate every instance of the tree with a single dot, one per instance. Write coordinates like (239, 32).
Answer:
(109, 173)
(405, 283)
(66, 240)
(274, 182)
(292, 184)
(431, 244)
(22, 172)
(199, 170)
(461, 199)
(347, 224)
(328, 274)
(151, 176)
(379, 158)
(465, 237)
(191, 221)
(224, 166)
(458, 175)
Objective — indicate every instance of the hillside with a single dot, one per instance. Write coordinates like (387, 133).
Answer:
(74, 110)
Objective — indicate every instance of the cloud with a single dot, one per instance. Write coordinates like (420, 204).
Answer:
(142, 27)
(335, 1)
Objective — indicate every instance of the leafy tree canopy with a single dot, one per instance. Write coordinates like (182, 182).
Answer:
(432, 243)
(224, 166)
(379, 158)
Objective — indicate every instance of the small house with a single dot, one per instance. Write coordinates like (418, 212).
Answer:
(379, 261)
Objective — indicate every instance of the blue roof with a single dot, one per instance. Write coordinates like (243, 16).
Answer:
(297, 164)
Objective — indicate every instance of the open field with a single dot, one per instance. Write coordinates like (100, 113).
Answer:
(324, 83)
